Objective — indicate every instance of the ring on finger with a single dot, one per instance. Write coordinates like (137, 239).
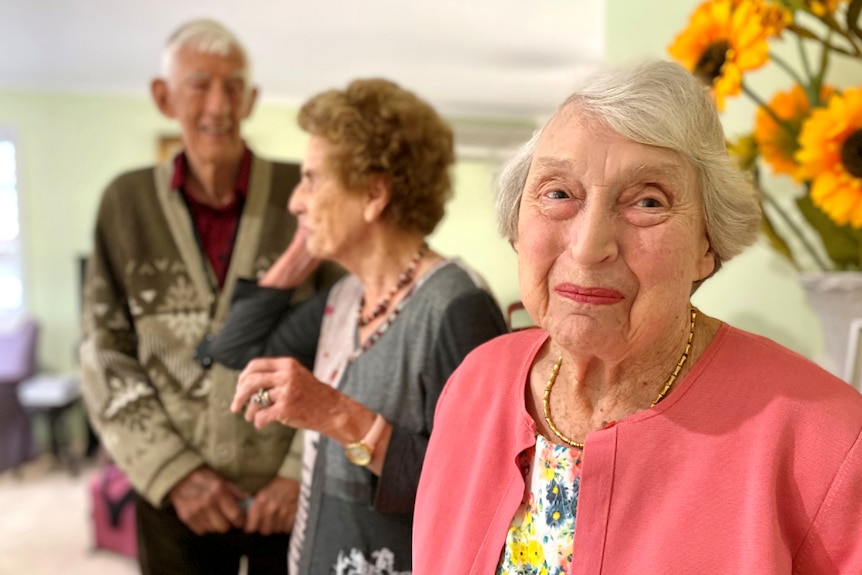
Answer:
(261, 398)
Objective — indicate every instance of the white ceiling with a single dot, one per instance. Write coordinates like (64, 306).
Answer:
(483, 58)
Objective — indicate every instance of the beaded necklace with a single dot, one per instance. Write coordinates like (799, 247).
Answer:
(661, 394)
(404, 278)
(378, 333)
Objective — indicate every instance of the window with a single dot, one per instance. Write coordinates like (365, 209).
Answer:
(11, 287)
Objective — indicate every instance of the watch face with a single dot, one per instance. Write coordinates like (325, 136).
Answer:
(358, 453)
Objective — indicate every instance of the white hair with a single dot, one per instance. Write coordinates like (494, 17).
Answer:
(657, 104)
(208, 37)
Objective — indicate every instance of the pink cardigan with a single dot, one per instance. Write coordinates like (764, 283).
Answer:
(753, 465)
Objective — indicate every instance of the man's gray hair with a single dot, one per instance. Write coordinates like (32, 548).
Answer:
(657, 104)
(208, 37)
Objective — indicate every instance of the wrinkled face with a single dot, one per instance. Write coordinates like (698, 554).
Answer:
(207, 94)
(610, 237)
(332, 215)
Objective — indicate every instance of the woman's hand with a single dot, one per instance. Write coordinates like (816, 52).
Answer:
(296, 397)
(293, 266)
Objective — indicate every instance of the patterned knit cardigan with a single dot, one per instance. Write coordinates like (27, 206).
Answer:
(149, 299)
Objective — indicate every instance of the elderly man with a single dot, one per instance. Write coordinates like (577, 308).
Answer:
(170, 241)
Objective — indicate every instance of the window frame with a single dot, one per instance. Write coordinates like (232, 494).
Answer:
(7, 134)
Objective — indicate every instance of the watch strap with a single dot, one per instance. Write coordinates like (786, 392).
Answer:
(373, 436)
(362, 452)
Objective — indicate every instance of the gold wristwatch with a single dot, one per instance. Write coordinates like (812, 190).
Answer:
(361, 452)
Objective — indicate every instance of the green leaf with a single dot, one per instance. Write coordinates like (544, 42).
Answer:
(842, 243)
(853, 10)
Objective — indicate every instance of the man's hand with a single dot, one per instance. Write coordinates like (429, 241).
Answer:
(274, 507)
(207, 503)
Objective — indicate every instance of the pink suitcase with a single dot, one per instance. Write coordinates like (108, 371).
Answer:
(113, 507)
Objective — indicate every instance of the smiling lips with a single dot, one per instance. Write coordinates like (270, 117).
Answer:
(217, 130)
(589, 295)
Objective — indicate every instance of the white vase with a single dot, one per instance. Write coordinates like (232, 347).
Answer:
(836, 298)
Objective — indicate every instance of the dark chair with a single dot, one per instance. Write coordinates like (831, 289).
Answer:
(17, 363)
(517, 317)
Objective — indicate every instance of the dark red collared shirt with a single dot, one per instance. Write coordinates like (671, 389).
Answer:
(215, 227)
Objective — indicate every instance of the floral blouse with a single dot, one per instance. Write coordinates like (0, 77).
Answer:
(540, 538)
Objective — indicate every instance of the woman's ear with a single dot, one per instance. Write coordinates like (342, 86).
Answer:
(378, 196)
(706, 264)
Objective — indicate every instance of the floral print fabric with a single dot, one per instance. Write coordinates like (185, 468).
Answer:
(540, 538)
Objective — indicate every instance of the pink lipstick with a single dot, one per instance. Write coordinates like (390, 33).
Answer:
(589, 295)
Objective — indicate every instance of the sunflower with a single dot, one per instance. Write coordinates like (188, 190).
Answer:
(778, 143)
(773, 17)
(830, 155)
(724, 39)
(822, 7)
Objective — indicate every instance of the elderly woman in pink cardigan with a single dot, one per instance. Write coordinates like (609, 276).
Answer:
(632, 433)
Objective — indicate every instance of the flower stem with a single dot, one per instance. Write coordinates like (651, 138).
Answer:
(787, 68)
(832, 26)
(796, 230)
(847, 34)
(803, 57)
(824, 64)
(852, 40)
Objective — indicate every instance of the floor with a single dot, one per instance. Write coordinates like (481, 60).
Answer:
(45, 527)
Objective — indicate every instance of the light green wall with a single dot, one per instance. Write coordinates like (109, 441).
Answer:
(469, 231)
(68, 149)
(71, 146)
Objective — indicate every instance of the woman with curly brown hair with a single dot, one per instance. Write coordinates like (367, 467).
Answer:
(374, 183)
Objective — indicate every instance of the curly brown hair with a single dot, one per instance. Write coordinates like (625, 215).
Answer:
(376, 127)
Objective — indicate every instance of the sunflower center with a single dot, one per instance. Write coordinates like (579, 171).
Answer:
(709, 66)
(851, 154)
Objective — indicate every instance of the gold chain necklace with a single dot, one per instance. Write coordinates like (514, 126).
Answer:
(664, 390)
